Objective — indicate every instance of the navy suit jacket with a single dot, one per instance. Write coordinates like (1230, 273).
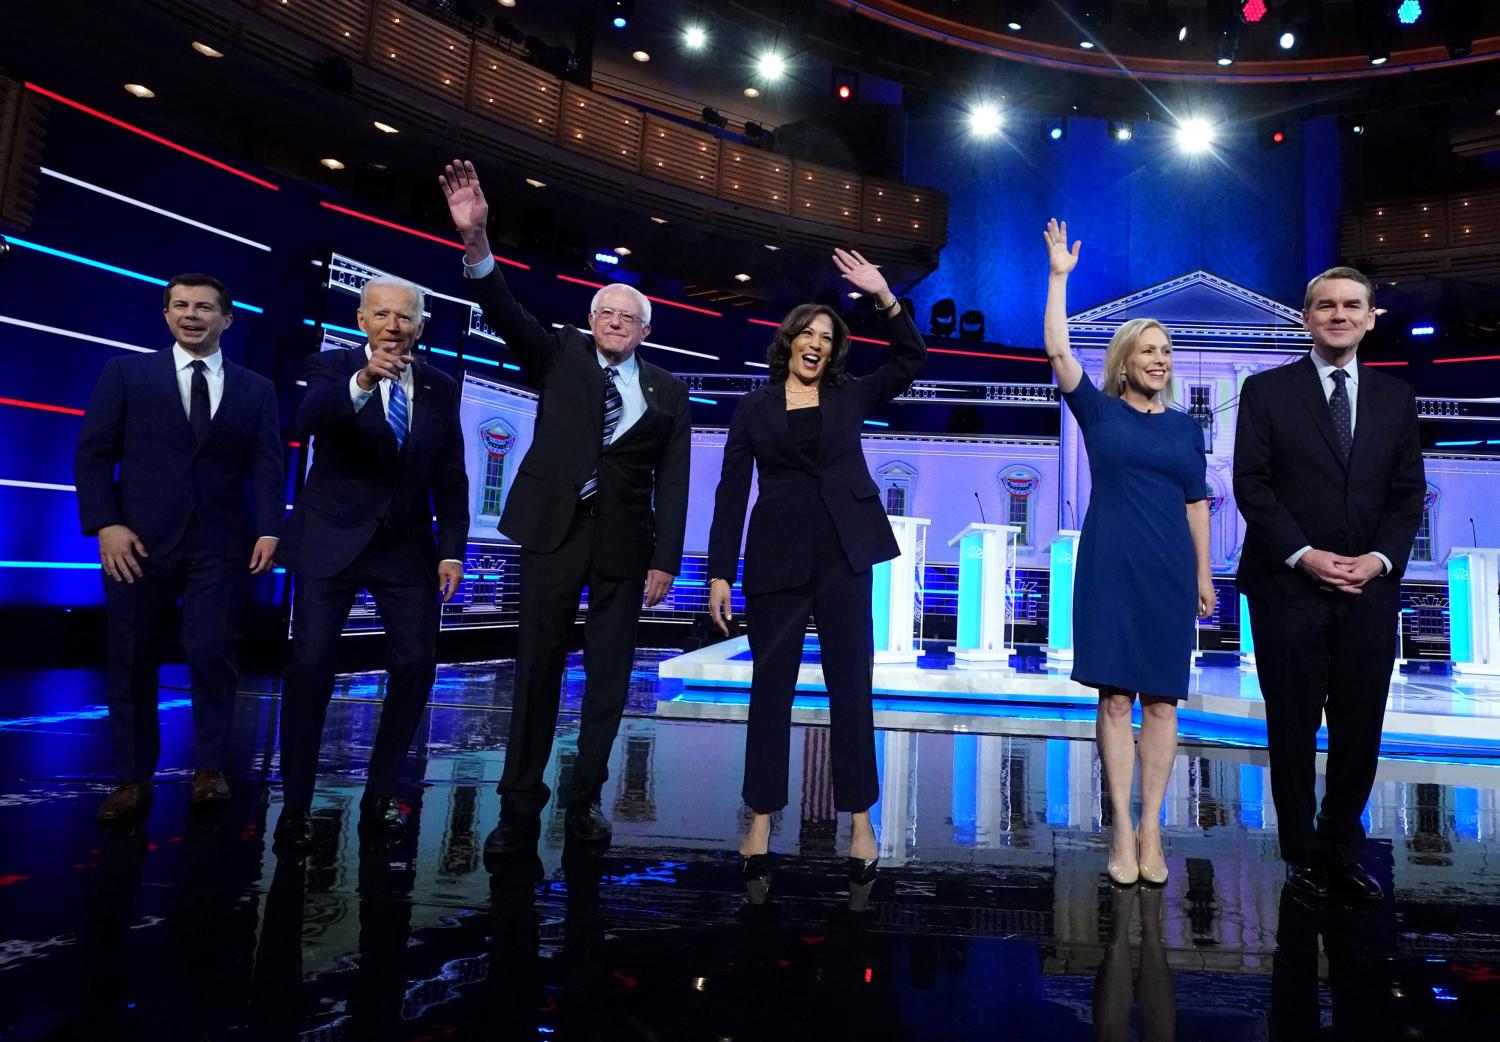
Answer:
(359, 478)
(778, 548)
(137, 463)
(1295, 490)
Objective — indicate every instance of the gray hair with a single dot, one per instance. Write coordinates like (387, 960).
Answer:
(1122, 346)
(418, 294)
(1352, 274)
(641, 302)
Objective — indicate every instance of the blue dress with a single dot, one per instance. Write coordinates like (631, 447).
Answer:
(1135, 595)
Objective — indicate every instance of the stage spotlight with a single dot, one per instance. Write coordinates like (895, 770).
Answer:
(942, 319)
(1376, 29)
(619, 12)
(1018, 14)
(845, 84)
(1158, 25)
(1272, 134)
(757, 134)
(1409, 12)
(713, 118)
(1195, 135)
(1288, 40)
(985, 120)
(971, 325)
(1121, 129)
(694, 38)
(1252, 11)
(1224, 27)
(771, 65)
(1055, 128)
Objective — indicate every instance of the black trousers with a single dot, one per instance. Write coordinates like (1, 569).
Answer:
(405, 588)
(1333, 657)
(210, 588)
(839, 601)
(551, 585)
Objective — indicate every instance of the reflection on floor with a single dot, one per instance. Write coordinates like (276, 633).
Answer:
(992, 918)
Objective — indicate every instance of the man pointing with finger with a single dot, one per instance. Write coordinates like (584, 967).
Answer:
(600, 500)
(388, 456)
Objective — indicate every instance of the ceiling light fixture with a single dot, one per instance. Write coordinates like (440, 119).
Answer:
(205, 50)
(331, 163)
(385, 128)
(694, 37)
(534, 183)
(771, 65)
(640, 56)
(140, 90)
(742, 277)
(752, 92)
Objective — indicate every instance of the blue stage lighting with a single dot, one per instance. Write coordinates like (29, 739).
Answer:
(1409, 12)
(1423, 330)
(1054, 128)
(606, 258)
(619, 23)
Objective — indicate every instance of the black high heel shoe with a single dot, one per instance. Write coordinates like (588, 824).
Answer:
(755, 870)
(862, 874)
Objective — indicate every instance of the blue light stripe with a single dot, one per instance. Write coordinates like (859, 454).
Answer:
(111, 268)
(486, 361)
(509, 365)
(876, 423)
(701, 401)
(75, 565)
(442, 351)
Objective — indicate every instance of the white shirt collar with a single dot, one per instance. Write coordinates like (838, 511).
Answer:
(182, 359)
(626, 370)
(1325, 368)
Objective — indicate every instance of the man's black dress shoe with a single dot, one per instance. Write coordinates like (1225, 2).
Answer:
(1308, 878)
(1355, 885)
(515, 833)
(585, 822)
(380, 815)
(294, 832)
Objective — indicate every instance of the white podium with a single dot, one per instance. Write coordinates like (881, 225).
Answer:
(986, 586)
(1474, 610)
(896, 594)
(1247, 638)
(1062, 570)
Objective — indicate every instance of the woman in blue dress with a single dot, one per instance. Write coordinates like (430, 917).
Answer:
(1143, 571)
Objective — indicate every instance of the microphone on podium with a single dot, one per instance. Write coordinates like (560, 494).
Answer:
(1072, 518)
(1473, 531)
(982, 521)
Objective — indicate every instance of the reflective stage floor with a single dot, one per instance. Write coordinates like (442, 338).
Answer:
(992, 918)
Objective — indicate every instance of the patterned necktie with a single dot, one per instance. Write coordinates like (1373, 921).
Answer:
(614, 407)
(199, 410)
(1343, 418)
(396, 414)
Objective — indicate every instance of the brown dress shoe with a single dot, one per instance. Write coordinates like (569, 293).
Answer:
(129, 802)
(209, 787)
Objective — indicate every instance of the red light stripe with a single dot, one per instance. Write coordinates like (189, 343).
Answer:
(415, 231)
(868, 340)
(1470, 358)
(12, 879)
(20, 404)
(763, 322)
(1374, 365)
(930, 350)
(44, 92)
(294, 444)
(654, 300)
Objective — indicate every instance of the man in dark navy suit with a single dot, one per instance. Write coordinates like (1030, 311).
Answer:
(387, 455)
(169, 443)
(1328, 475)
(600, 500)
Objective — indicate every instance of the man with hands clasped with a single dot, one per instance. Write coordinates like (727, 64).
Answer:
(600, 500)
(167, 445)
(1328, 475)
(387, 450)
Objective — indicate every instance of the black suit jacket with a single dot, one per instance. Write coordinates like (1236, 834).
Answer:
(778, 551)
(645, 466)
(359, 479)
(1294, 490)
(137, 463)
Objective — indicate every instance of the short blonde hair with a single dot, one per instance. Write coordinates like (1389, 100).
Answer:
(1121, 347)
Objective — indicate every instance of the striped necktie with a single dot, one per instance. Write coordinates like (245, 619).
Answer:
(614, 407)
(396, 414)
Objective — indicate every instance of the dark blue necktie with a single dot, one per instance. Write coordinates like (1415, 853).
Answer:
(1343, 416)
(614, 408)
(397, 413)
(200, 412)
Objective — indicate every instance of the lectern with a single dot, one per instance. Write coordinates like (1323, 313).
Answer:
(1474, 610)
(1061, 571)
(896, 588)
(986, 586)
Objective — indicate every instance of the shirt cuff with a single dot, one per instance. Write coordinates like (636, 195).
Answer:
(1291, 562)
(357, 394)
(451, 560)
(273, 538)
(1384, 560)
(480, 270)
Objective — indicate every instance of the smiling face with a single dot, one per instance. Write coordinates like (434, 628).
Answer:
(616, 324)
(391, 318)
(812, 347)
(1338, 315)
(1148, 367)
(196, 318)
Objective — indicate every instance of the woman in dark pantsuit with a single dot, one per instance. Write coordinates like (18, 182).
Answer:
(817, 530)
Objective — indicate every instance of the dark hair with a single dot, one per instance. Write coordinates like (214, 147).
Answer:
(1352, 274)
(779, 354)
(198, 279)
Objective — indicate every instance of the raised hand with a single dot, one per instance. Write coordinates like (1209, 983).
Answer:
(862, 275)
(1062, 259)
(466, 203)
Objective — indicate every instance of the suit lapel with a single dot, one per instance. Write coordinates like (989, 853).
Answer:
(1310, 390)
(234, 390)
(643, 423)
(421, 405)
(1366, 413)
(164, 383)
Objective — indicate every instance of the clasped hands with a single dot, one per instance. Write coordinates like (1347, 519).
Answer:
(1334, 571)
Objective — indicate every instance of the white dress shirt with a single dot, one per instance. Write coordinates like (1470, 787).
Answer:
(1326, 370)
(358, 395)
(213, 373)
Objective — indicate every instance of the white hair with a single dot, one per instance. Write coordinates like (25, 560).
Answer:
(418, 294)
(643, 305)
